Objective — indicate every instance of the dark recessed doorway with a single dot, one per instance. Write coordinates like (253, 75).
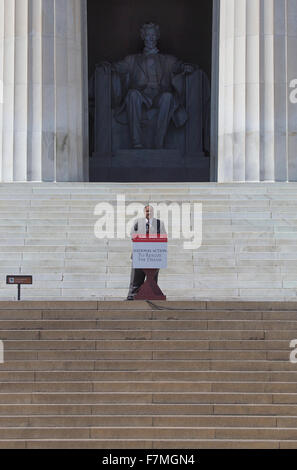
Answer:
(113, 33)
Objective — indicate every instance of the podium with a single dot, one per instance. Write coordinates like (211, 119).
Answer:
(149, 254)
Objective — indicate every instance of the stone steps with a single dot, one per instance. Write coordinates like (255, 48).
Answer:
(156, 356)
(165, 366)
(155, 433)
(147, 398)
(117, 315)
(146, 444)
(139, 375)
(141, 387)
(149, 409)
(143, 344)
(147, 421)
(143, 325)
(102, 335)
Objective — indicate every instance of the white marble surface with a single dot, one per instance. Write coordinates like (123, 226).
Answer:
(257, 121)
(248, 251)
(43, 129)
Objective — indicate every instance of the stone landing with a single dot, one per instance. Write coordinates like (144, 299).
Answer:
(249, 245)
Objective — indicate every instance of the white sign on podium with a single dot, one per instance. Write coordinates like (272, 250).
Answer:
(149, 252)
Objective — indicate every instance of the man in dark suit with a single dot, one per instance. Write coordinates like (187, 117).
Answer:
(145, 225)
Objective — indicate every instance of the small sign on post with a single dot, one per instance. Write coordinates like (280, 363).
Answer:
(18, 280)
(150, 254)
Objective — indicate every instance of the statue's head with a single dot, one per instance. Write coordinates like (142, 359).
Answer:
(150, 33)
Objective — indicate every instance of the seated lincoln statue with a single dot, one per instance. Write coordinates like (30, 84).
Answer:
(150, 80)
(150, 100)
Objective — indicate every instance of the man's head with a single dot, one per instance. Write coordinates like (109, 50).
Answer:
(149, 212)
(150, 33)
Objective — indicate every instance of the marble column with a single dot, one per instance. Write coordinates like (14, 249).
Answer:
(43, 84)
(257, 118)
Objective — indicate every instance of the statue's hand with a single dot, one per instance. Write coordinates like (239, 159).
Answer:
(188, 68)
(105, 65)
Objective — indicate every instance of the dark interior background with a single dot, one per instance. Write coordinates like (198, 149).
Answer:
(186, 29)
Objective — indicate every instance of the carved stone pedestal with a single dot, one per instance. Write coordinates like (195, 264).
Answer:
(149, 165)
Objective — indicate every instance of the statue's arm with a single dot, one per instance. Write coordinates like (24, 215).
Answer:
(120, 76)
(122, 67)
(176, 67)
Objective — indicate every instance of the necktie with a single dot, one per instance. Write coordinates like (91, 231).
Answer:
(147, 228)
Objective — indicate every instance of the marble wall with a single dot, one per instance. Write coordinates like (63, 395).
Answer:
(257, 136)
(43, 113)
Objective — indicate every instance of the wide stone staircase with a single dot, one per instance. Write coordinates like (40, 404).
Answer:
(248, 251)
(191, 374)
